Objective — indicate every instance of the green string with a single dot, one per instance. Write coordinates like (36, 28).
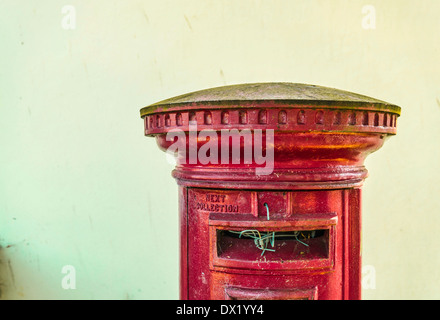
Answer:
(267, 211)
(262, 241)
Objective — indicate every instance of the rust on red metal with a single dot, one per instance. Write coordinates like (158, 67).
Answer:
(270, 178)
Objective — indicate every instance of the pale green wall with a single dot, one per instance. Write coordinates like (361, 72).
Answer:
(80, 185)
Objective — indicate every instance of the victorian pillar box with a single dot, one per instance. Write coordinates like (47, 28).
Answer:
(269, 178)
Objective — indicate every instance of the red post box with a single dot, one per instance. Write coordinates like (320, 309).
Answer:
(270, 178)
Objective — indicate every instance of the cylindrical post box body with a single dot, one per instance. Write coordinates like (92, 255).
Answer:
(269, 182)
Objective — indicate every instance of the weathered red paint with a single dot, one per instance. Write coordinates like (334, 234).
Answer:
(321, 138)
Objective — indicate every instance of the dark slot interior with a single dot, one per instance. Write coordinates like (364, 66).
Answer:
(291, 245)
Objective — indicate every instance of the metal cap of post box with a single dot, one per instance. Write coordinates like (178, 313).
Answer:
(281, 92)
(314, 128)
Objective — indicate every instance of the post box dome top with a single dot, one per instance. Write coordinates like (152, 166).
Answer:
(279, 92)
(319, 133)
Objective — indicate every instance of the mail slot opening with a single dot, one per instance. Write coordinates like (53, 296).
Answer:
(270, 245)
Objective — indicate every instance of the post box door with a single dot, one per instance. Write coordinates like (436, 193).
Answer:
(231, 266)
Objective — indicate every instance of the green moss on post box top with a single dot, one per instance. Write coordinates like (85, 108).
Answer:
(280, 92)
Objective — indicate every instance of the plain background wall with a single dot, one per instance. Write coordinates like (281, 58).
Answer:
(81, 186)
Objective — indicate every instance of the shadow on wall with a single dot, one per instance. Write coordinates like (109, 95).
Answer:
(7, 280)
